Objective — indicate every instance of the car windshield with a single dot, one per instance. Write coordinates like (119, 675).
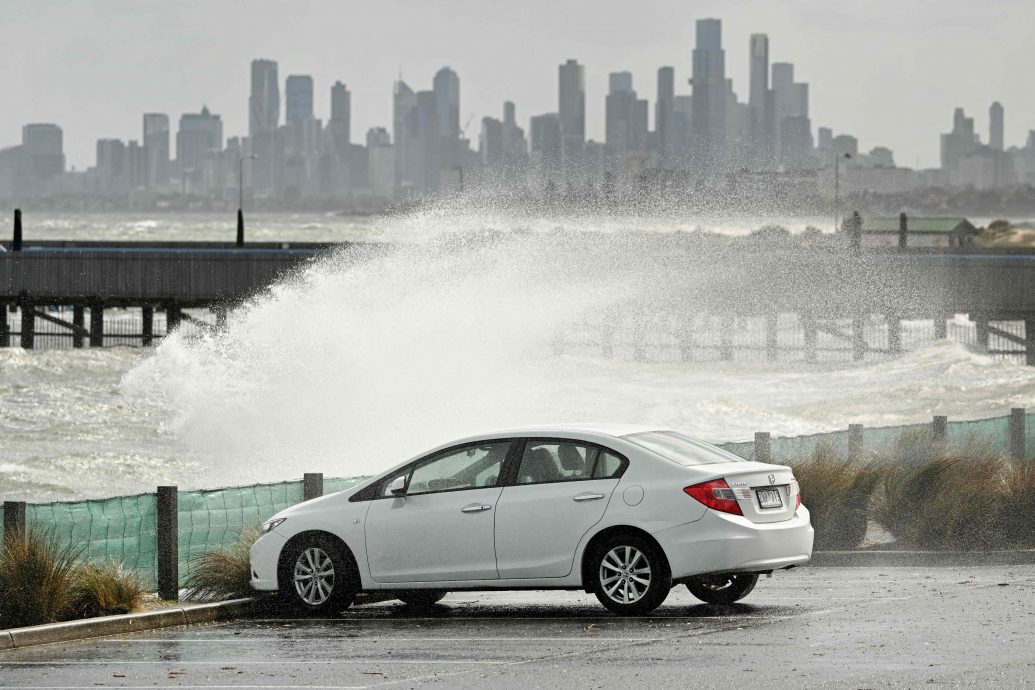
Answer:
(681, 449)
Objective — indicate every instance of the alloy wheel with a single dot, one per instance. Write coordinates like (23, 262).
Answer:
(625, 574)
(314, 576)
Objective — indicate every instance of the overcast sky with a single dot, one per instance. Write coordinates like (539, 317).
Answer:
(888, 71)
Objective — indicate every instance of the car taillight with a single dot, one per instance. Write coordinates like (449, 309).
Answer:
(795, 492)
(715, 494)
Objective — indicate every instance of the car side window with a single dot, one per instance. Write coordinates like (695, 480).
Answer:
(557, 461)
(471, 467)
(608, 465)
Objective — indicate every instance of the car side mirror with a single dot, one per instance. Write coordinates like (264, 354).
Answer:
(398, 486)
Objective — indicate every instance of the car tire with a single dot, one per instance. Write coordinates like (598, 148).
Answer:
(421, 598)
(629, 575)
(726, 588)
(318, 576)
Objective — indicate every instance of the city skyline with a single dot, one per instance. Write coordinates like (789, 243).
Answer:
(909, 130)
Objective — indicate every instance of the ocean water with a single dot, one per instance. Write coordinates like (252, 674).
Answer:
(368, 357)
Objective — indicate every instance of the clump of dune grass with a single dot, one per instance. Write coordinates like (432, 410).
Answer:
(837, 493)
(103, 589)
(37, 574)
(222, 574)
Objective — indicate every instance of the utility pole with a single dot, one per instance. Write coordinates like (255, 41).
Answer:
(837, 186)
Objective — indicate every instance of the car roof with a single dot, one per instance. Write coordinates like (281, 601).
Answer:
(598, 428)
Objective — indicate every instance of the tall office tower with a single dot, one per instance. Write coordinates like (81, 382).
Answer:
(684, 118)
(381, 163)
(199, 135)
(618, 116)
(490, 143)
(43, 147)
(545, 141)
(826, 139)
(571, 102)
(995, 126)
(263, 120)
(960, 142)
(515, 146)
(620, 81)
(664, 117)
(110, 166)
(446, 86)
(156, 149)
(404, 133)
(710, 98)
(790, 100)
(760, 103)
(429, 142)
(340, 125)
(298, 98)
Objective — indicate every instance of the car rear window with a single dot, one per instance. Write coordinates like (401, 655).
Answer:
(681, 449)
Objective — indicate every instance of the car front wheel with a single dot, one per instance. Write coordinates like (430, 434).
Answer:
(318, 576)
(630, 575)
(722, 589)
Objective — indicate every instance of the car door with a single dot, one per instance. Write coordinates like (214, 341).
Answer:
(559, 491)
(442, 528)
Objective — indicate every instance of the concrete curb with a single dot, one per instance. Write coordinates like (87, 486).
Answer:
(17, 638)
(877, 559)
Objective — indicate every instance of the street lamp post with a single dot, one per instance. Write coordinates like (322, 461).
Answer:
(240, 198)
(837, 185)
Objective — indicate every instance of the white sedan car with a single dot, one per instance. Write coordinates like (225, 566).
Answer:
(625, 512)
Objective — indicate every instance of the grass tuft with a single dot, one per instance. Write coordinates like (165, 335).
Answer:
(224, 574)
(104, 589)
(36, 576)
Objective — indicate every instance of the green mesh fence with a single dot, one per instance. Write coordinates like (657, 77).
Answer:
(124, 527)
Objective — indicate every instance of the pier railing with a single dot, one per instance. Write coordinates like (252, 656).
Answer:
(156, 534)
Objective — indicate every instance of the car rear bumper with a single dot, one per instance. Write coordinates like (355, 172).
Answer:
(720, 542)
(265, 553)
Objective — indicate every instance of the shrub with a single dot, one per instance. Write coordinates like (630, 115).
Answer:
(225, 574)
(103, 589)
(837, 494)
(36, 575)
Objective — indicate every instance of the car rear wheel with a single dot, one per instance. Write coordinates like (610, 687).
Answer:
(630, 575)
(318, 576)
(722, 589)
(421, 598)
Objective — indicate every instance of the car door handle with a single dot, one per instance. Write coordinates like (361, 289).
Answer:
(476, 508)
(588, 497)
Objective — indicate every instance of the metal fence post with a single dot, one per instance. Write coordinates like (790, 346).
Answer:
(16, 244)
(1017, 449)
(14, 520)
(167, 524)
(312, 485)
(855, 441)
(763, 447)
(940, 428)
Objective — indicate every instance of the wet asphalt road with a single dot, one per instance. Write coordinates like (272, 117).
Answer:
(813, 627)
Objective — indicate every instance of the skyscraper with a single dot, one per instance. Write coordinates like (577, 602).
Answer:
(298, 97)
(618, 82)
(545, 141)
(156, 149)
(710, 97)
(340, 124)
(446, 86)
(199, 135)
(960, 142)
(790, 100)
(760, 102)
(664, 117)
(404, 132)
(264, 101)
(571, 101)
(43, 144)
(995, 126)
(625, 120)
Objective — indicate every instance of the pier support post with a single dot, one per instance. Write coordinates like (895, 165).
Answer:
(312, 485)
(5, 328)
(858, 338)
(763, 447)
(77, 321)
(941, 330)
(28, 326)
(16, 244)
(167, 524)
(147, 325)
(855, 441)
(1017, 445)
(981, 322)
(808, 322)
(940, 428)
(96, 324)
(894, 334)
(770, 337)
(14, 520)
(1029, 341)
(172, 317)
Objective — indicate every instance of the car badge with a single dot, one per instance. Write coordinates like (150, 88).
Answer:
(772, 479)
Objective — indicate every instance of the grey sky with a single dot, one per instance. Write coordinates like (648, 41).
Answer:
(888, 71)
